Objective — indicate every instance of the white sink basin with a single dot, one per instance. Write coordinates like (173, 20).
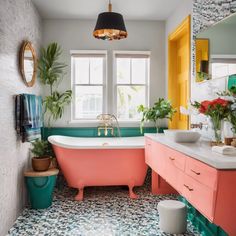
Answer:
(182, 136)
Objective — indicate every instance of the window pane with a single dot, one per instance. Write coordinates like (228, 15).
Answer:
(128, 99)
(139, 70)
(88, 101)
(123, 70)
(96, 70)
(82, 70)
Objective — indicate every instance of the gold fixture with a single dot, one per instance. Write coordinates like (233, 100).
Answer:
(28, 63)
(106, 124)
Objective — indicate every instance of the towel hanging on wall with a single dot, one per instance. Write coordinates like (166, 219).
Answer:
(28, 116)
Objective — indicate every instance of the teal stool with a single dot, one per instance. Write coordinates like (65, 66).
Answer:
(40, 187)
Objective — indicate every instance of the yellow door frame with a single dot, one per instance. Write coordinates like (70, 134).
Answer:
(183, 29)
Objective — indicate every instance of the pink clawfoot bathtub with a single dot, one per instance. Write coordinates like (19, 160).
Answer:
(101, 162)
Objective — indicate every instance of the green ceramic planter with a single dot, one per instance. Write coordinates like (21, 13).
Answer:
(40, 190)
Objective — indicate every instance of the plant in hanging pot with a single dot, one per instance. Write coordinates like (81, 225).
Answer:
(162, 109)
(41, 155)
(217, 110)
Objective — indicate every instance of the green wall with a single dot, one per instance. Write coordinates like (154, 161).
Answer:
(92, 131)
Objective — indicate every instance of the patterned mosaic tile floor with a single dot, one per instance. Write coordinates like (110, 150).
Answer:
(104, 212)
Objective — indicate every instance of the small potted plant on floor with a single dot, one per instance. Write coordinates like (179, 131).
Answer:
(41, 155)
(162, 109)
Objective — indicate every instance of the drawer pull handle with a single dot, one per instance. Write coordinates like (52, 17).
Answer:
(195, 172)
(171, 158)
(189, 189)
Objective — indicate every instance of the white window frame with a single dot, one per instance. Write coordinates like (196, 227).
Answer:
(73, 54)
(115, 85)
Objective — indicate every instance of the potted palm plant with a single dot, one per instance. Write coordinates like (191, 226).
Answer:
(162, 109)
(51, 72)
(41, 155)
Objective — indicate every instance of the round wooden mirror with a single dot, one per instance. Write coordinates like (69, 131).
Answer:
(28, 63)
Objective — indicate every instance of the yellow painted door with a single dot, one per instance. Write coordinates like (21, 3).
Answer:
(179, 73)
(182, 80)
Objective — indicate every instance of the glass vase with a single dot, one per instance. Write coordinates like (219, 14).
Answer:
(217, 131)
(160, 123)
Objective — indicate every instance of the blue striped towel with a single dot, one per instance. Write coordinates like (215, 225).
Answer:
(28, 111)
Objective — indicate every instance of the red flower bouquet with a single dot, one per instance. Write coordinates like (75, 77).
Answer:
(217, 110)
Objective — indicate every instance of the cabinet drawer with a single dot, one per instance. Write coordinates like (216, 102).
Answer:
(200, 196)
(174, 177)
(155, 156)
(175, 158)
(201, 172)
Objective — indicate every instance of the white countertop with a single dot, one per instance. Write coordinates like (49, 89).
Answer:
(200, 150)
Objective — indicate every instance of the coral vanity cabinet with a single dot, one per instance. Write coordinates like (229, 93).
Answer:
(211, 191)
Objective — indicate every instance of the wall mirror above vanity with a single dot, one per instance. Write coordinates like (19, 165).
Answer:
(216, 53)
(28, 63)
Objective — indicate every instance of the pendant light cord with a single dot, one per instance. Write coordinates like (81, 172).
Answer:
(110, 6)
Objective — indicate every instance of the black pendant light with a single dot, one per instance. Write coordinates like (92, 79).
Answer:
(110, 26)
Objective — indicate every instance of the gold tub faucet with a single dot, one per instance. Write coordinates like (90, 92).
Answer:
(106, 124)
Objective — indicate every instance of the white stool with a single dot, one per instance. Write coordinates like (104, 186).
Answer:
(173, 216)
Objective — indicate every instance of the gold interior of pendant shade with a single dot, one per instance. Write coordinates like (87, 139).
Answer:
(110, 34)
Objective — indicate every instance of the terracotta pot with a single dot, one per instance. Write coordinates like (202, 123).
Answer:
(41, 164)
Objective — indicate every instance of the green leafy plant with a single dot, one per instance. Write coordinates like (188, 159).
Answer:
(51, 72)
(40, 149)
(162, 109)
(230, 95)
(232, 90)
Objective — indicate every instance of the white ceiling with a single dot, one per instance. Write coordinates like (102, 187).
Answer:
(89, 9)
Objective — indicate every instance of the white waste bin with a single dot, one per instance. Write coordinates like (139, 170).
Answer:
(173, 216)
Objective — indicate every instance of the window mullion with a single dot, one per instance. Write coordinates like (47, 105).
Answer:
(130, 79)
(104, 88)
(89, 71)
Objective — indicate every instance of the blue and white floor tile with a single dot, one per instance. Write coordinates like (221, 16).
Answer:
(105, 211)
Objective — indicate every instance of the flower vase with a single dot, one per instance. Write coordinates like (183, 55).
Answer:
(217, 132)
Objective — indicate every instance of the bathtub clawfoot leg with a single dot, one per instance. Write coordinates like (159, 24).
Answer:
(132, 195)
(80, 195)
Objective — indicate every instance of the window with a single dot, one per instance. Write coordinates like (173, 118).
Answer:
(131, 84)
(128, 89)
(88, 84)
